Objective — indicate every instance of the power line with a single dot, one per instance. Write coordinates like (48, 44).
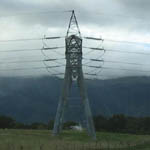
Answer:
(133, 70)
(113, 50)
(96, 76)
(33, 68)
(94, 38)
(115, 41)
(124, 69)
(89, 38)
(35, 49)
(90, 74)
(121, 62)
(19, 50)
(120, 51)
(128, 63)
(127, 42)
(21, 57)
(26, 61)
(15, 69)
(32, 39)
(29, 61)
(63, 65)
(18, 40)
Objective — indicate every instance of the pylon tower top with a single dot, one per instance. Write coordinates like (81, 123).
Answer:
(73, 47)
(73, 28)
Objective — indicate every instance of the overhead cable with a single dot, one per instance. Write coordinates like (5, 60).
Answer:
(32, 39)
(119, 51)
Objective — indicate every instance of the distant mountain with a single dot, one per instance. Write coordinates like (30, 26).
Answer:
(36, 99)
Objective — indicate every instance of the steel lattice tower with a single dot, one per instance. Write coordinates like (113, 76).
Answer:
(73, 72)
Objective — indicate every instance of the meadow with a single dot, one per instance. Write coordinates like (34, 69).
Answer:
(11, 139)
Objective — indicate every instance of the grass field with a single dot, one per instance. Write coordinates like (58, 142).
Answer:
(70, 140)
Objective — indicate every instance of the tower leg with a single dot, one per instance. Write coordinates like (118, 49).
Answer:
(62, 104)
(87, 110)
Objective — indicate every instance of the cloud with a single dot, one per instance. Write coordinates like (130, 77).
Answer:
(140, 6)
(108, 13)
(126, 20)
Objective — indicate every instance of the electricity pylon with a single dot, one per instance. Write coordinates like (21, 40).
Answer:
(73, 72)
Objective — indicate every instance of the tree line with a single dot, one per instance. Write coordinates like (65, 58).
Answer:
(123, 124)
(115, 123)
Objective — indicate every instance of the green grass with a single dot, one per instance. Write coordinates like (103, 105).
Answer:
(70, 140)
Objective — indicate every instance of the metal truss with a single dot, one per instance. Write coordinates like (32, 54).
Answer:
(73, 72)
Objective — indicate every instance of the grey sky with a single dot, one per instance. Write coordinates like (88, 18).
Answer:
(126, 20)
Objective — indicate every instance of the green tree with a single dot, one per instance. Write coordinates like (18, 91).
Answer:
(7, 122)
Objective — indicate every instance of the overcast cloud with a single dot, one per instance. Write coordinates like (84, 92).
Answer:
(126, 20)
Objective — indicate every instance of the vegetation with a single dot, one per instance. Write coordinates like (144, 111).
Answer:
(115, 123)
(123, 124)
(36, 136)
(13, 139)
